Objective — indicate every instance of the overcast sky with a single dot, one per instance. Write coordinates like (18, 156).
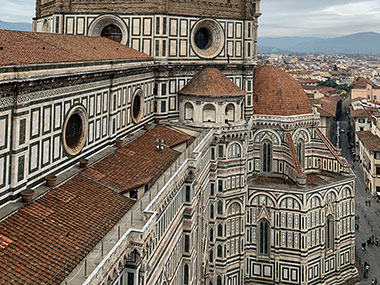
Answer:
(323, 18)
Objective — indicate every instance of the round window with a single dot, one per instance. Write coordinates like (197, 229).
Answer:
(207, 38)
(75, 130)
(112, 32)
(137, 106)
(202, 38)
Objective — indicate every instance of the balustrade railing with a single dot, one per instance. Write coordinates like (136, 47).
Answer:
(140, 219)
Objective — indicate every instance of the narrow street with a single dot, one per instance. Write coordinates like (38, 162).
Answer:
(369, 215)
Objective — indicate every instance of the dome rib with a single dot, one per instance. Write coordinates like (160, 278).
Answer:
(211, 82)
(275, 92)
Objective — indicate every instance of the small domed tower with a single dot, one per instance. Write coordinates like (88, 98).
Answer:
(211, 99)
(181, 36)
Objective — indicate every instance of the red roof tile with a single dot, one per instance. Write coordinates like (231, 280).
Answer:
(275, 92)
(362, 82)
(23, 48)
(139, 162)
(326, 106)
(44, 241)
(371, 141)
(211, 82)
(359, 113)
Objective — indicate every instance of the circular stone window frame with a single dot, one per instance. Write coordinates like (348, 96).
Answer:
(82, 112)
(96, 27)
(138, 92)
(217, 38)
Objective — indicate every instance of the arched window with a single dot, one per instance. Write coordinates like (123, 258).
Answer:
(301, 152)
(209, 113)
(230, 113)
(45, 26)
(234, 151)
(220, 207)
(211, 256)
(112, 32)
(330, 232)
(211, 211)
(264, 241)
(211, 237)
(220, 230)
(210, 283)
(220, 251)
(219, 280)
(266, 156)
(186, 274)
(189, 111)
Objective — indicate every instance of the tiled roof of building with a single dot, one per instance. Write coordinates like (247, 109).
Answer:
(275, 92)
(211, 82)
(362, 82)
(326, 106)
(358, 113)
(139, 162)
(307, 81)
(23, 48)
(371, 141)
(44, 241)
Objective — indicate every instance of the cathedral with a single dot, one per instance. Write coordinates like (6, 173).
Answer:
(143, 143)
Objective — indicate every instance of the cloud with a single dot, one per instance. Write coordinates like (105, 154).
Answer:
(279, 17)
(318, 18)
(17, 11)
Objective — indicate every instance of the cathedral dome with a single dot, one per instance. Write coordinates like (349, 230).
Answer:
(211, 82)
(275, 92)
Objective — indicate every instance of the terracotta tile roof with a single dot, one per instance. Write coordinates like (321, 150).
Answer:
(273, 180)
(23, 48)
(44, 241)
(327, 90)
(139, 162)
(326, 106)
(313, 178)
(371, 141)
(275, 92)
(307, 80)
(358, 113)
(362, 82)
(293, 152)
(211, 82)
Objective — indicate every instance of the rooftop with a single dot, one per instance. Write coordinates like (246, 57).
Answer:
(139, 162)
(371, 141)
(326, 106)
(362, 82)
(211, 82)
(46, 239)
(43, 242)
(275, 92)
(313, 181)
(24, 48)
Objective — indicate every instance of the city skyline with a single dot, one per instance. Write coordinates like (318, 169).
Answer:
(291, 18)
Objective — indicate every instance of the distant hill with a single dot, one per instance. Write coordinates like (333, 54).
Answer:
(360, 43)
(15, 26)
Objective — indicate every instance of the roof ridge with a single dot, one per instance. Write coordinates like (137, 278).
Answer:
(293, 152)
(331, 148)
